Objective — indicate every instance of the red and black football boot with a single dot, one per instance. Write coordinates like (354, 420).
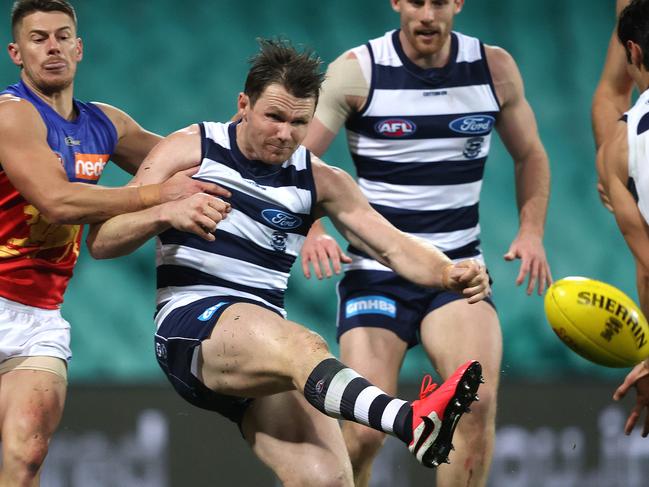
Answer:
(437, 411)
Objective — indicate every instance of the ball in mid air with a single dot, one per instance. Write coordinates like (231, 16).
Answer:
(597, 321)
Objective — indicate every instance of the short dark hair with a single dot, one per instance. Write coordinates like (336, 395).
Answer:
(22, 8)
(633, 25)
(279, 62)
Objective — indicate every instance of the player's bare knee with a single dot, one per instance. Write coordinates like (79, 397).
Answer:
(23, 459)
(307, 342)
(479, 423)
(328, 474)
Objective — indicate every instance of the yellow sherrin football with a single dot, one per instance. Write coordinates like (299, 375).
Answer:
(598, 321)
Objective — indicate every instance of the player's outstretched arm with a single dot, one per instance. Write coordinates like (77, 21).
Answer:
(611, 99)
(517, 128)
(340, 198)
(36, 172)
(612, 96)
(199, 213)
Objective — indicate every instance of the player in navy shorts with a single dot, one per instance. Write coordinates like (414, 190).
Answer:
(419, 105)
(222, 336)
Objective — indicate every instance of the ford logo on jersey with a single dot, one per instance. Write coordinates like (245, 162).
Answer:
(281, 219)
(395, 127)
(472, 124)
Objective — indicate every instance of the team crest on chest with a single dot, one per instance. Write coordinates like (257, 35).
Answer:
(472, 147)
(278, 241)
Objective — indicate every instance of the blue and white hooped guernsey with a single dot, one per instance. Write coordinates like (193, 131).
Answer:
(421, 142)
(256, 244)
(637, 119)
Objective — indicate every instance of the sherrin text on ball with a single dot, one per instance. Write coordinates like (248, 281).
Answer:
(597, 321)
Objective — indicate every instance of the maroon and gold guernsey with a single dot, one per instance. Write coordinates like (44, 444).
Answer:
(37, 257)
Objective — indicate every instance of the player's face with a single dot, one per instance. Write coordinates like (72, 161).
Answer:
(48, 50)
(275, 125)
(427, 24)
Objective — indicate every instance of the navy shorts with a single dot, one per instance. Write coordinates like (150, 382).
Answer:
(182, 330)
(385, 300)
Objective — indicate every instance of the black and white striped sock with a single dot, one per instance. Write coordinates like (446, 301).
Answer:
(341, 392)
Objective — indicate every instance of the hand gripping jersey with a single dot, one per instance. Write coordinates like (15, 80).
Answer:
(36, 257)
(260, 239)
(421, 141)
(638, 139)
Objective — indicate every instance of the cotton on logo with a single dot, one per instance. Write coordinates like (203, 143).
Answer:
(89, 166)
(395, 127)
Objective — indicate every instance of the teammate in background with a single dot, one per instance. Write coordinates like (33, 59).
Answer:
(53, 149)
(419, 105)
(222, 337)
(612, 97)
(625, 156)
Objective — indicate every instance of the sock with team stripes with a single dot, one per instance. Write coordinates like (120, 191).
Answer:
(341, 392)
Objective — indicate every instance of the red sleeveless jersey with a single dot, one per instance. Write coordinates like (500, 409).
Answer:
(37, 257)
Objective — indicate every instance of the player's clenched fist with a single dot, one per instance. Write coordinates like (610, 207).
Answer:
(468, 277)
(199, 214)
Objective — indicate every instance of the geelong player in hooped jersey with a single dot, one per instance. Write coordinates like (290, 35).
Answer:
(419, 105)
(222, 337)
(624, 157)
(53, 149)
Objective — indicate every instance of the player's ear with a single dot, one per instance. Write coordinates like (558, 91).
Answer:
(458, 6)
(396, 5)
(635, 53)
(79, 49)
(243, 105)
(14, 54)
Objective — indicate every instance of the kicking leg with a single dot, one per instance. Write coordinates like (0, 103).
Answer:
(254, 352)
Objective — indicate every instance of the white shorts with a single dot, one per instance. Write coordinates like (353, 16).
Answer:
(26, 331)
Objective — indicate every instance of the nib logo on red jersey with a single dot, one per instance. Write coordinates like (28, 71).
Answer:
(89, 166)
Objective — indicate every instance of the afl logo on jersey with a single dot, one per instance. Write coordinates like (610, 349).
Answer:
(395, 127)
(280, 219)
(473, 124)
